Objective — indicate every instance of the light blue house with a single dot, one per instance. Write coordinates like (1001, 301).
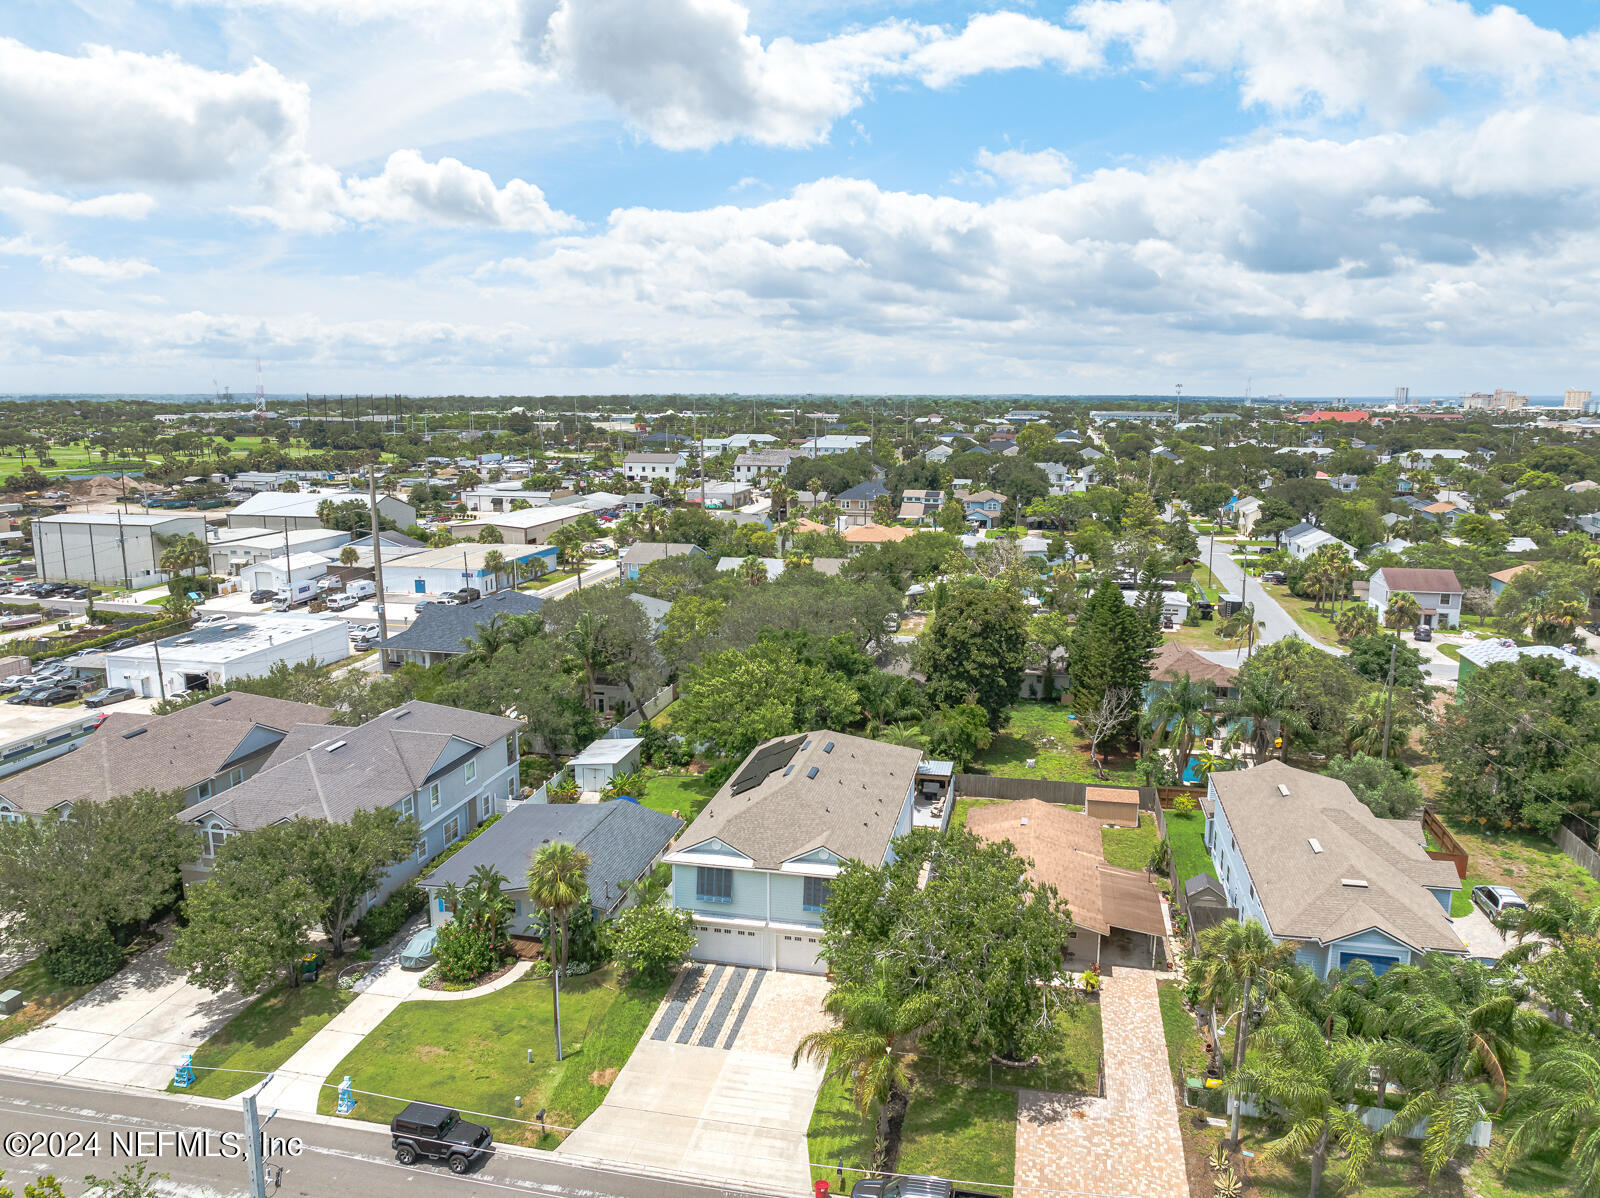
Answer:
(1300, 854)
(756, 865)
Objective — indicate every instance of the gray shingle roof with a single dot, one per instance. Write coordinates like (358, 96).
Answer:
(450, 629)
(622, 839)
(850, 807)
(1304, 892)
(374, 765)
(174, 751)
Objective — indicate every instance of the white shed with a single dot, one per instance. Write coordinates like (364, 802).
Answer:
(604, 760)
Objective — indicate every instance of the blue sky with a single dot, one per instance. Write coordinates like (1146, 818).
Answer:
(547, 196)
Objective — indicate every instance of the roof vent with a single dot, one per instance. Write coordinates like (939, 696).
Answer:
(1283, 790)
(828, 748)
(812, 772)
(134, 733)
(402, 713)
(787, 770)
(1024, 821)
(1316, 845)
(1357, 882)
(338, 744)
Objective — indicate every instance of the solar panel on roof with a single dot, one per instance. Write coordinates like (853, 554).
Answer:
(772, 757)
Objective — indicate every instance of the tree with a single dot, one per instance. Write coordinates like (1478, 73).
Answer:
(558, 882)
(181, 553)
(1558, 1111)
(650, 941)
(1241, 628)
(1117, 706)
(345, 861)
(1179, 712)
(1357, 620)
(1109, 652)
(888, 699)
(733, 700)
(494, 561)
(952, 517)
(110, 865)
(254, 915)
(348, 556)
(958, 733)
(873, 1022)
(1382, 788)
(1244, 963)
(976, 644)
(1313, 1081)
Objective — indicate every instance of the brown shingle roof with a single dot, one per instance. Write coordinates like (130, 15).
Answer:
(1400, 578)
(874, 534)
(1508, 575)
(1173, 660)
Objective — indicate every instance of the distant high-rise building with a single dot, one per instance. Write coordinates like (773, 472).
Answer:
(1575, 399)
(1402, 395)
(1502, 400)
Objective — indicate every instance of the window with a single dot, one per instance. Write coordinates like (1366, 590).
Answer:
(452, 829)
(408, 805)
(433, 797)
(511, 749)
(214, 839)
(471, 772)
(815, 896)
(236, 776)
(712, 885)
(422, 849)
(203, 791)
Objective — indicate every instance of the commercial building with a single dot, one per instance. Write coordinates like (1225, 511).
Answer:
(530, 526)
(245, 647)
(230, 554)
(1575, 399)
(440, 571)
(108, 547)
(271, 573)
(277, 510)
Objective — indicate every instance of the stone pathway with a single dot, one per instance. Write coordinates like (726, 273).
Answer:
(1127, 1143)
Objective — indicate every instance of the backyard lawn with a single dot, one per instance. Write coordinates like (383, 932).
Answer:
(1130, 847)
(958, 817)
(43, 996)
(264, 1035)
(1046, 733)
(683, 793)
(1184, 1050)
(486, 1062)
(1525, 861)
(1186, 835)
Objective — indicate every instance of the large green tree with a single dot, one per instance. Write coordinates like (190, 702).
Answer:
(1109, 653)
(345, 861)
(976, 644)
(733, 700)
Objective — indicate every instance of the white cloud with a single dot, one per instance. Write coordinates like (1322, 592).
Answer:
(121, 205)
(1044, 168)
(104, 270)
(312, 197)
(1003, 41)
(1396, 208)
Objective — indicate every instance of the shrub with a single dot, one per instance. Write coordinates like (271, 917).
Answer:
(651, 942)
(1183, 804)
(460, 844)
(466, 951)
(381, 923)
(83, 960)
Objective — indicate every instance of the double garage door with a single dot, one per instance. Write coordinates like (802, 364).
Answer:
(797, 951)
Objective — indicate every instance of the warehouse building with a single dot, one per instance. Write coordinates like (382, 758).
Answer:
(245, 647)
(110, 547)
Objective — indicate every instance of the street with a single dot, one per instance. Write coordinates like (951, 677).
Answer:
(1279, 624)
(333, 1157)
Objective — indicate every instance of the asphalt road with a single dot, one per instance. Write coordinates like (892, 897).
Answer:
(332, 1158)
(1279, 624)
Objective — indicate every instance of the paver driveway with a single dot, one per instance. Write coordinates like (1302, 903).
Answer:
(1126, 1143)
(130, 1030)
(709, 1090)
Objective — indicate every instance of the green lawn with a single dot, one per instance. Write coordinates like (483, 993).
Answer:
(838, 1132)
(1526, 861)
(43, 997)
(1186, 834)
(544, 580)
(1047, 733)
(264, 1035)
(1184, 1050)
(1199, 636)
(962, 1133)
(1130, 847)
(683, 793)
(1314, 623)
(472, 1054)
(1453, 652)
(958, 817)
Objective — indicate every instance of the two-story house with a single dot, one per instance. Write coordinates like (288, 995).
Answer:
(756, 864)
(1437, 592)
(448, 768)
(856, 504)
(983, 507)
(1303, 540)
(921, 507)
(202, 750)
(1300, 854)
(653, 467)
(761, 463)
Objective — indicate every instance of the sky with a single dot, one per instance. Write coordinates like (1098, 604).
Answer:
(509, 197)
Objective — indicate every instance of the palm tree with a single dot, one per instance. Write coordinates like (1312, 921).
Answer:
(1241, 628)
(752, 571)
(557, 883)
(1313, 1080)
(494, 561)
(1241, 963)
(888, 699)
(348, 556)
(864, 1045)
(1177, 714)
(906, 735)
(1403, 611)
(1553, 915)
(587, 644)
(1558, 1110)
(181, 553)
(1265, 703)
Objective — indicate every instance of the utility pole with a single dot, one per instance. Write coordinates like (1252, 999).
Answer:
(255, 1169)
(1178, 412)
(377, 565)
(122, 542)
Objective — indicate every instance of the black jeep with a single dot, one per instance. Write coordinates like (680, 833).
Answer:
(438, 1133)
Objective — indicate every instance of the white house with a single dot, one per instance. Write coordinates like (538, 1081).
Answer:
(653, 467)
(817, 447)
(1302, 545)
(1437, 593)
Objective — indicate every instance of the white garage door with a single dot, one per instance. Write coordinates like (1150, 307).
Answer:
(798, 952)
(730, 946)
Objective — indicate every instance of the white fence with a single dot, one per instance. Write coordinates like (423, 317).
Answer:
(1377, 1118)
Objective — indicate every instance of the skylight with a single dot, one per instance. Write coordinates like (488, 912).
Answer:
(1316, 845)
(812, 772)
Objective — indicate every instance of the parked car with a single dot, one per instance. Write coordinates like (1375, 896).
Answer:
(25, 695)
(342, 602)
(126, 642)
(14, 682)
(263, 595)
(49, 696)
(1494, 901)
(438, 1133)
(107, 695)
(464, 595)
(1422, 633)
(908, 1185)
(1275, 577)
(210, 618)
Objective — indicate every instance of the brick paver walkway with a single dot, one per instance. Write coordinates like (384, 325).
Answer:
(1126, 1144)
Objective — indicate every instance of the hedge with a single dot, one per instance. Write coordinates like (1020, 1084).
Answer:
(381, 923)
(459, 845)
(141, 631)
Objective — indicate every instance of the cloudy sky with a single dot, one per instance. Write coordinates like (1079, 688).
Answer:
(1326, 197)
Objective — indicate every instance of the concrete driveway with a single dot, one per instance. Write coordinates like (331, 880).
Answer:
(130, 1030)
(709, 1090)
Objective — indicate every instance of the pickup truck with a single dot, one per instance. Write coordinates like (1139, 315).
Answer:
(911, 1185)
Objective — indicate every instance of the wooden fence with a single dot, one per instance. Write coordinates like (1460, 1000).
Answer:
(1450, 848)
(988, 786)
